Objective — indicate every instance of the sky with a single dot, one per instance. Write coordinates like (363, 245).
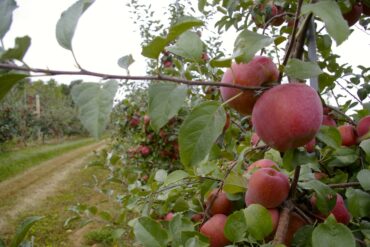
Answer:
(105, 33)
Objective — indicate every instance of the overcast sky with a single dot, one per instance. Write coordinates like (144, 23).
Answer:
(105, 33)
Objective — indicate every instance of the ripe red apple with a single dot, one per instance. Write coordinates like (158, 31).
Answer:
(295, 222)
(255, 139)
(145, 150)
(267, 187)
(227, 123)
(328, 121)
(310, 146)
(363, 126)
(287, 116)
(339, 211)
(135, 120)
(258, 71)
(198, 217)
(348, 135)
(354, 14)
(169, 216)
(214, 230)
(146, 120)
(167, 64)
(221, 205)
(275, 215)
(263, 163)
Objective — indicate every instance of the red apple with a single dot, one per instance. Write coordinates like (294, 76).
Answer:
(214, 230)
(295, 222)
(348, 135)
(363, 126)
(168, 64)
(198, 217)
(339, 211)
(145, 150)
(275, 215)
(310, 146)
(146, 119)
(221, 205)
(354, 14)
(169, 216)
(227, 123)
(258, 71)
(135, 120)
(320, 175)
(263, 163)
(328, 121)
(267, 187)
(287, 116)
(255, 139)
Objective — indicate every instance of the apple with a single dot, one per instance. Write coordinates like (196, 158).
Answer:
(275, 215)
(348, 135)
(287, 116)
(328, 121)
(354, 14)
(214, 230)
(258, 71)
(167, 64)
(255, 139)
(169, 216)
(221, 205)
(267, 187)
(263, 163)
(145, 150)
(295, 223)
(146, 120)
(227, 123)
(310, 146)
(320, 175)
(135, 120)
(204, 57)
(339, 211)
(198, 217)
(363, 126)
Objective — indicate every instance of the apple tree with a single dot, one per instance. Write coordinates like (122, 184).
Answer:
(273, 137)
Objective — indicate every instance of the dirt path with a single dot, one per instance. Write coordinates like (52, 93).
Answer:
(29, 189)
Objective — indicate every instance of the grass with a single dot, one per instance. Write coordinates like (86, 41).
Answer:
(14, 162)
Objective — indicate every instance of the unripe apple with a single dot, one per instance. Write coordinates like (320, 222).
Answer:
(258, 71)
(348, 135)
(263, 163)
(287, 116)
(363, 126)
(354, 15)
(221, 205)
(214, 230)
(339, 211)
(310, 146)
(328, 121)
(267, 187)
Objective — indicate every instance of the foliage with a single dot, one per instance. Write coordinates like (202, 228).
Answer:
(172, 144)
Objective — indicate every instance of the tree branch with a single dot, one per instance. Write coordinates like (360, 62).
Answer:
(129, 77)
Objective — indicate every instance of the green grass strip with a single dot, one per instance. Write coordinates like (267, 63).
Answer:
(14, 162)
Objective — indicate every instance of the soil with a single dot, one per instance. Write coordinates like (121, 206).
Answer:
(31, 188)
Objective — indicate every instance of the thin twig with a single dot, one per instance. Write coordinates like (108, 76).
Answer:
(130, 77)
(344, 185)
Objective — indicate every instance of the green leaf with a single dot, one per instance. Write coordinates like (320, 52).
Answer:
(68, 21)
(236, 226)
(235, 183)
(157, 45)
(343, 156)
(303, 236)
(364, 178)
(7, 81)
(23, 228)
(2, 243)
(330, 136)
(201, 5)
(365, 146)
(175, 176)
(165, 100)
(221, 62)
(331, 233)
(150, 233)
(248, 43)
(6, 15)
(19, 50)
(295, 157)
(125, 61)
(259, 221)
(326, 197)
(95, 101)
(188, 46)
(199, 131)
(299, 69)
(358, 202)
(330, 13)
(188, 237)
(177, 225)
(160, 175)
